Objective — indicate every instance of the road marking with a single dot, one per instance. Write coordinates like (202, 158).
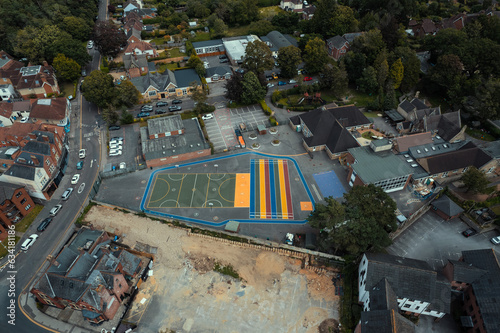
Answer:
(80, 189)
(316, 191)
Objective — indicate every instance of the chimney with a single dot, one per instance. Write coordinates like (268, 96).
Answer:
(45, 138)
(32, 136)
(34, 159)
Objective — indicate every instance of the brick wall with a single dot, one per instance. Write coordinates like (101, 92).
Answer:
(179, 158)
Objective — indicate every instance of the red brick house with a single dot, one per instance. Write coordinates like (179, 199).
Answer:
(15, 203)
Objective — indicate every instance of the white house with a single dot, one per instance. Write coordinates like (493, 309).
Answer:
(7, 92)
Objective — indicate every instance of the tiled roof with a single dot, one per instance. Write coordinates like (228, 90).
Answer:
(447, 206)
(6, 109)
(337, 42)
(59, 286)
(21, 171)
(54, 109)
(158, 81)
(219, 70)
(143, 46)
(406, 142)
(184, 77)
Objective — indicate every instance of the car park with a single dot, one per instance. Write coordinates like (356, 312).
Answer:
(469, 232)
(114, 127)
(67, 193)
(495, 240)
(79, 165)
(207, 116)
(81, 153)
(173, 108)
(159, 104)
(116, 138)
(177, 101)
(282, 83)
(29, 242)
(115, 145)
(115, 152)
(75, 179)
(55, 210)
(44, 224)
(142, 114)
(160, 111)
(308, 78)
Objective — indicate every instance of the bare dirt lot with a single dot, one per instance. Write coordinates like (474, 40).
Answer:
(185, 294)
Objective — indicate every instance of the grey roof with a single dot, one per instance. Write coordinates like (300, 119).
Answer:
(108, 262)
(30, 159)
(351, 36)
(7, 191)
(447, 206)
(409, 278)
(37, 147)
(278, 40)
(446, 125)
(85, 235)
(383, 297)
(205, 43)
(92, 298)
(337, 41)
(191, 141)
(385, 321)
(3, 61)
(486, 288)
(406, 105)
(348, 116)
(417, 140)
(165, 124)
(464, 272)
(437, 147)
(372, 167)
(493, 149)
(64, 261)
(130, 262)
(151, 66)
(21, 171)
(184, 77)
(419, 105)
(394, 115)
(60, 286)
(41, 135)
(157, 80)
(82, 267)
(219, 70)
(139, 60)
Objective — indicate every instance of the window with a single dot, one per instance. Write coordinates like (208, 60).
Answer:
(27, 207)
(47, 161)
(152, 93)
(18, 194)
(23, 201)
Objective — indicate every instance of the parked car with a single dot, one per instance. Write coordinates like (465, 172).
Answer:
(79, 165)
(75, 179)
(159, 104)
(29, 242)
(67, 193)
(495, 240)
(142, 114)
(123, 165)
(223, 56)
(81, 153)
(275, 76)
(469, 232)
(115, 145)
(90, 44)
(222, 61)
(146, 108)
(114, 127)
(270, 85)
(115, 152)
(25, 119)
(44, 224)
(207, 116)
(292, 81)
(174, 108)
(308, 78)
(282, 83)
(240, 70)
(177, 101)
(116, 138)
(160, 111)
(84, 72)
(269, 77)
(55, 210)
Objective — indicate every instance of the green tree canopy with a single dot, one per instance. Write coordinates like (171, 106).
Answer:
(234, 88)
(77, 27)
(331, 19)
(126, 94)
(108, 38)
(288, 60)
(99, 89)
(253, 91)
(258, 57)
(67, 69)
(396, 73)
(315, 55)
(334, 78)
(474, 180)
(368, 80)
(37, 44)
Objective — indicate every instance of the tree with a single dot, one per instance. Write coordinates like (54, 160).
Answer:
(196, 63)
(258, 57)
(327, 218)
(488, 98)
(108, 38)
(474, 180)
(315, 55)
(368, 80)
(253, 91)
(286, 22)
(76, 27)
(109, 114)
(234, 88)
(261, 27)
(334, 78)
(98, 88)
(288, 60)
(411, 65)
(126, 94)
(396, 73)
(354, 62)
(127, 117)
(390, 100)
(382, 67)
(331, 19)
(219, 28)
(198, 94)
(67, 69)
(370, 43)
(448, 74)
(35, 43)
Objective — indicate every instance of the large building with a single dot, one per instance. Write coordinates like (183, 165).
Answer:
(169, 140)
(169, 84)
(15, 203)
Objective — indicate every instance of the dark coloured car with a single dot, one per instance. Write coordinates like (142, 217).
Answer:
(176, 101)
(160, 111)
(160, 104)
(469, 232)
(114, 127)
(223, 56)
(223, 60)
(174, 108)
(44, 224)
(142, 114)
(282, 83)
(79, 165)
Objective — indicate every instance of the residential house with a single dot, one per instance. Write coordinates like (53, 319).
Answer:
(12, 112)
(174, 84)
(419, 289)
(15, 203)
(476, 276)
(338, 46)
(145, 13)
(21, 109)
(90, 276)
(446, 208)
(308, 12)
(6, 159)
(209, 48)
(276, 40)
(415, 109)
(17, 134)
(376, 164)
(133, 36)
(291, 5)
(38, 164)
(130, 5)
(218, 73)
(139, 48)
(383, 316)
(328, 128)
(168, 140)
(137, 65)
(7, 92)
(55, 111)
(132, 21)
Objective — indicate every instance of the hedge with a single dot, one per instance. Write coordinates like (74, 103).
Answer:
(267, 109)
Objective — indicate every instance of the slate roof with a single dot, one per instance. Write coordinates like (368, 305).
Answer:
(447, 206)
(385, 321)
(219, 70)
(486, 288)
(130, 262)
(351, 36)
(446, 125)
(465, 272)
(59, 286)
(134, 33)
(493, 149)
(37, 147)
(348, 116)
(64, 261)
(21, 171)
(278, 40)
(373, 167)
(409, 278)
(337, 42)
(7, 191)
(4, 58)
(134, 60)
(406, 106)
(184, 77)
(82, 267)
(205, 43)
(404, 143)
(157, 80)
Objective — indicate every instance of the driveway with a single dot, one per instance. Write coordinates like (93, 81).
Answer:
(434, 240)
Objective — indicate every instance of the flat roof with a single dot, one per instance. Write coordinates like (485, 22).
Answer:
(165, 124)
(236, 47)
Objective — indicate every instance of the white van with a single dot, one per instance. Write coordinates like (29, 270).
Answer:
(66, 194)
(29, 242)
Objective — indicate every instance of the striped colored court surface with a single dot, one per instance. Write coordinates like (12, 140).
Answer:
(270, 195)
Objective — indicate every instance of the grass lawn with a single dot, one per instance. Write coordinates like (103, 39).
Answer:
(437, 101)
(188, 115)
(478, 134)
(359, 98)
(367, 135)
(200, 37)
(238, 31)
(172, 66)
(270, 12)
(68, 88)
(24, 224)
(159, 41)
(175, 52)
(3, 246)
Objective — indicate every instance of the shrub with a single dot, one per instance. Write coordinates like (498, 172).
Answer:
(273, 121)
(266, 108)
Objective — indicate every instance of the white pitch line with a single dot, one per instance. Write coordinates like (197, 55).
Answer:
(316, 191)
(194, 190)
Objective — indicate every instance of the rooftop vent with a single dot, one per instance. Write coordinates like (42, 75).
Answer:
(418, 151)
(414, 165)
(438, 137)
(433, 148)
(426, 149)
(445, 145)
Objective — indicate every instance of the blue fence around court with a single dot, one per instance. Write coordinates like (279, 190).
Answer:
(218, 224)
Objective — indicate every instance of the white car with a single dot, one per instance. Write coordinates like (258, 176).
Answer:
(55, 210)
(90, 44)
(29, 242)
(292, 81)
(270, 85)
(25, 119)
(115, 145)
(75, 179)
(207, 116)
(123, 165)
(115, 152)
(81, 153)
(495, 240)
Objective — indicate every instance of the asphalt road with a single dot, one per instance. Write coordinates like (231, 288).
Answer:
(84, 134)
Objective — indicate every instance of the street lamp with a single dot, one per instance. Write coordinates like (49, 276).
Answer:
(211, 204)
(216, 166)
